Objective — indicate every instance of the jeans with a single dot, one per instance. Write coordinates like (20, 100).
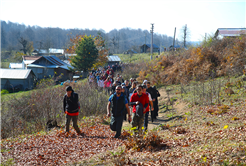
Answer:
(116, 125)
(74, 119)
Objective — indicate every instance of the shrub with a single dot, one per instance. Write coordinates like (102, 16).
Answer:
(150, 141)
(30, 113)
(4, 91)
(212, 59)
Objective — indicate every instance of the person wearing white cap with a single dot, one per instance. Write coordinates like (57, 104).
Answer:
(145, 82)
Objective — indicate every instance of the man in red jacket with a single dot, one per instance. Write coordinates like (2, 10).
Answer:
(136, 99)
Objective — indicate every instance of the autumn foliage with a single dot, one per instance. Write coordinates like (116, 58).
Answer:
(217, 58)
(100, 46)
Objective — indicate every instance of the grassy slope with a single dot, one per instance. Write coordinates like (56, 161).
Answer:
(126, 58)
(212, 135)
(195, 135)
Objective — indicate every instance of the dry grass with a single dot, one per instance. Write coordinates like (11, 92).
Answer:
(30, 113)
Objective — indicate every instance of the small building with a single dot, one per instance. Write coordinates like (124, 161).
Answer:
(15, 66)
(175, 48)
(17, 79)
(146, 48)
(229, 32)
(131, 51)
(113, 60)
(47, 52)
(28, 60)
(49, 66)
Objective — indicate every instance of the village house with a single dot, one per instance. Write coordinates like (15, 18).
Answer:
(47, 52)
(17, 80)
(26, 60)
(15, 66)
(113, 60)
(229, 32)
(146, 48)
(49, 66)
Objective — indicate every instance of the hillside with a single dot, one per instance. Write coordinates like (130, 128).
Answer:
(118, 41)
(183, 134)
(202, 116)
(215, 58)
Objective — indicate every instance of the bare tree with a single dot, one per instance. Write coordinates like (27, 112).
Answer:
(185, 35)
(23, 42)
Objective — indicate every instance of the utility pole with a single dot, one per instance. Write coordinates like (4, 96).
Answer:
(185, 33)
(205, 37)
(145, 44)
(118, 46)
(174, 38)
(151, 48)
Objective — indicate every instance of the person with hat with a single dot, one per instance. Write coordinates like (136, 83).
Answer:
(71, 109)
(145, 82)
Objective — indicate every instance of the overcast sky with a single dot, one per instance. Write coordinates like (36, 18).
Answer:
(201, 16)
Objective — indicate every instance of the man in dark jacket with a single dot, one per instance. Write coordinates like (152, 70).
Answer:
(153, 94)
(71, 109)
(118, 104)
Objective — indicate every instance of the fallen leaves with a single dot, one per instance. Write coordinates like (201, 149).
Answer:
(59, 148)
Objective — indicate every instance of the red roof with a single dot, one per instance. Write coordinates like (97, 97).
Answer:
(230, 31)
(31, 57)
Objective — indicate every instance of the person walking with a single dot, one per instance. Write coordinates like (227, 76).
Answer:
(153, 94)
(156, 106)
(71, 109)
(146, 117)
(132, 89)
(107, 85)
(118, 104)
(100, 84)
(140, 102)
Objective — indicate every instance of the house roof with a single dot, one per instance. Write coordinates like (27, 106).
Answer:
(15, 73)
(113, 58)
(149, 45)
(32, 58)
(51, 51)
(53, 60)
(230, 31)
(43, 66)
(15, 65)
(28, 61)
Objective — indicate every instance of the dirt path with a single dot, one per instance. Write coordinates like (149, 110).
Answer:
(163, 115)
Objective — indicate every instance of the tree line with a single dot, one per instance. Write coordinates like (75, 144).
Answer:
(117, 41)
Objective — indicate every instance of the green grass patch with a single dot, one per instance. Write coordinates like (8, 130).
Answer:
(5, 64)
(135, 58)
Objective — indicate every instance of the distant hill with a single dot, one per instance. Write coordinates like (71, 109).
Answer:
(117, 41)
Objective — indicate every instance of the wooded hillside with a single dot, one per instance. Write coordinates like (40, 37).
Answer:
(117, 41)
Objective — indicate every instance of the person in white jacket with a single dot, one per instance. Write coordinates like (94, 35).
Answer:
(100, 84)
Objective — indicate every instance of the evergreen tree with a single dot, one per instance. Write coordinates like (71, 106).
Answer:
(87, 54)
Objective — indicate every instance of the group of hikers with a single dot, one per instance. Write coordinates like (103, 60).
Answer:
(128, 98)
